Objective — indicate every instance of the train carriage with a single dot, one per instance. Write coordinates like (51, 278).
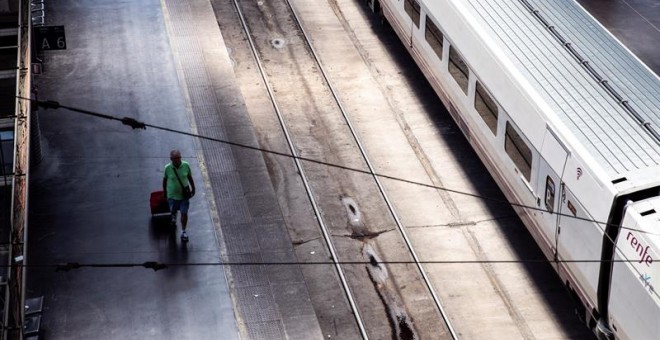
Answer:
(566, 120)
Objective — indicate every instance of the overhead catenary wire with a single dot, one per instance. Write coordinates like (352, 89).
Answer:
(135, 124)
(156, 266)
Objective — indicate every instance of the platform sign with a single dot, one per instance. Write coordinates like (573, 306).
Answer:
(49, 38)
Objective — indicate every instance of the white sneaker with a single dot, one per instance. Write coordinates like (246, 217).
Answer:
(184, 236)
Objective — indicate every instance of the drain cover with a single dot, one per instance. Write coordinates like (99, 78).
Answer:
(278, 43)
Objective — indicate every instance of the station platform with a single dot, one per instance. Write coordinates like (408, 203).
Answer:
(163, 63)
(89, 196)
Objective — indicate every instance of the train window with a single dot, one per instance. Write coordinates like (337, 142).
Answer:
(458, 69)
(571, 207)
(549, 194)
(486, 107)
(412, 8)
(517, 149)
(434, 37)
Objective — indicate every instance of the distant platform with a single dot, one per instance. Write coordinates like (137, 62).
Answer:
(636, 24)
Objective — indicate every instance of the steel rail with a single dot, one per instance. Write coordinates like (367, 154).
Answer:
(308, 189)
(390, 206)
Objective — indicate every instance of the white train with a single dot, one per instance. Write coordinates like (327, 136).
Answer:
(566, 119)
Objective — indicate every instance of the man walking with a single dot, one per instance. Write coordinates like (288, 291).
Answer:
(179, 187)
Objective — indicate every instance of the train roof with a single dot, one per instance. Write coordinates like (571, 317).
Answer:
(609, 131)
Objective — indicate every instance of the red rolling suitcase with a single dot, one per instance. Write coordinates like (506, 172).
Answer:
(158, 204)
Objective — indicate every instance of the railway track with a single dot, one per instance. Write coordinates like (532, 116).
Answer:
(331, 122)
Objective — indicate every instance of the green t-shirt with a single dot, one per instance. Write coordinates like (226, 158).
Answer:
(174, 189)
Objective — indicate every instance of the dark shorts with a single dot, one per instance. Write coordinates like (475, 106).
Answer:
(178, 205)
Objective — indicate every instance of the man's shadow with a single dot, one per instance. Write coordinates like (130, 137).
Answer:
(171, 250)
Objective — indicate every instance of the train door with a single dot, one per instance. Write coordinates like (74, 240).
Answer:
(414, 11)
(551, 169)
(579, 243)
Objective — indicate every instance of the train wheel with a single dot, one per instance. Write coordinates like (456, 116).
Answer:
(580, 310)
(381, 16)
(374, 5)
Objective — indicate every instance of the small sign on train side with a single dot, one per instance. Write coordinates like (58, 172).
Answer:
(49, 38)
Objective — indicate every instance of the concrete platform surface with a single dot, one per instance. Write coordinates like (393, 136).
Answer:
(89, 197)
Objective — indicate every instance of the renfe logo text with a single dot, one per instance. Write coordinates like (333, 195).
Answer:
(642, 251)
